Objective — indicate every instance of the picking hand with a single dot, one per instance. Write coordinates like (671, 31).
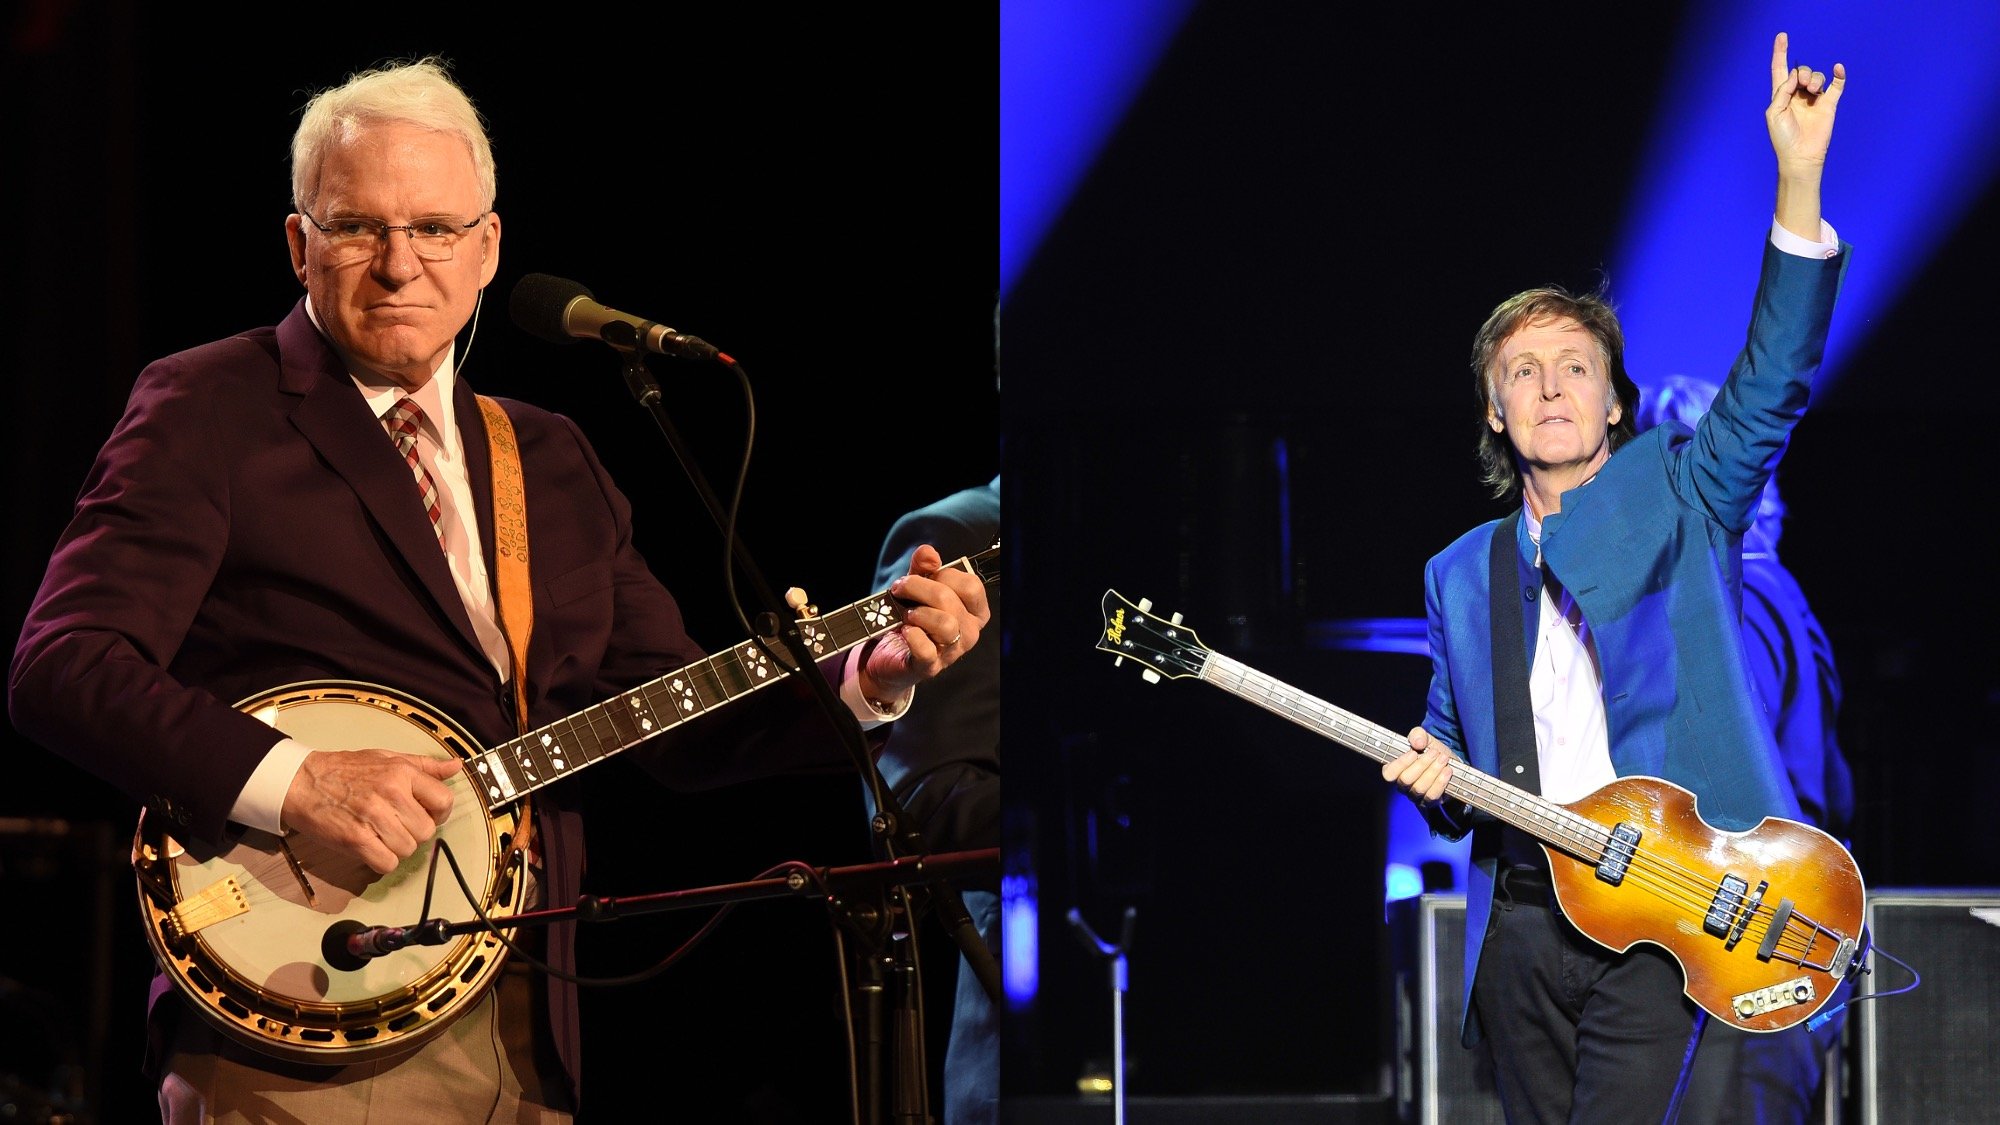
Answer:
(377, 805)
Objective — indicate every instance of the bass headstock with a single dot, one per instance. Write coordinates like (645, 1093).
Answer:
(1164, 646)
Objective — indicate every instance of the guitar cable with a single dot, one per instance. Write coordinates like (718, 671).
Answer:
(1916, 978)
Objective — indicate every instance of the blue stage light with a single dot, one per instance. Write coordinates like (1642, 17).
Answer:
(1913, 149)
(1019, 968)
(1411, 846)
(1402, 881)
(1067, 73)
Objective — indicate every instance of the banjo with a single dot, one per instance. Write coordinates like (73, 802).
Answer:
(253, 934)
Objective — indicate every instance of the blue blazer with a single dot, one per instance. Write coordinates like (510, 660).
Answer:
(1651, 548)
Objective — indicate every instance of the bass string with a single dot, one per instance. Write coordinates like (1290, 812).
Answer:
(1681, 887)
(1575, 833)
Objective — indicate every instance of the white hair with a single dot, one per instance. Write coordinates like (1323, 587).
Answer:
(419, 93)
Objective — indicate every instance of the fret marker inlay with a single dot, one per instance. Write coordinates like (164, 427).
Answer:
(638, 708)
(880, 615)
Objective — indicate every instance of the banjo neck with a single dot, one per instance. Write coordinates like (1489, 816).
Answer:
(520, 766)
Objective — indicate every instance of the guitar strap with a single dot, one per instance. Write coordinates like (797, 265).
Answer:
(1513, 711)
(517, 599)
(510, 543)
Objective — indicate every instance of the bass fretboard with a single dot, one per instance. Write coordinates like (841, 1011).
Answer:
(1531, 813)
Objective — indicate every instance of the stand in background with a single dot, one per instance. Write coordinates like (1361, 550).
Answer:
(1115, 956)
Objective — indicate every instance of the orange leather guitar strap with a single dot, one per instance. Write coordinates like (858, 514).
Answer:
(517, 599)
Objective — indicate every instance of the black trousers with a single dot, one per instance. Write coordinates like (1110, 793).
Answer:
(1578, 1033)
(1776, 1079)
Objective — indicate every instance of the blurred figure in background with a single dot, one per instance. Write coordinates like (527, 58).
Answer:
(943, 764)
(942, 761)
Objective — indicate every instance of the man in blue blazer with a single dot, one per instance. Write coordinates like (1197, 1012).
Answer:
(1627, 553)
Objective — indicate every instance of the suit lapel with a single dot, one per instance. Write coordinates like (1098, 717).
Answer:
(332, 415)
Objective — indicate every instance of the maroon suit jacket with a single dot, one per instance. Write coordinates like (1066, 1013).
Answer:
(249, 524)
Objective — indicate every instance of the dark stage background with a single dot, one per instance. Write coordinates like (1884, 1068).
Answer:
(1288, 245)
(810, 190)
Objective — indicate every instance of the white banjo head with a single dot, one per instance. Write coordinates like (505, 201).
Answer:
(244, 929)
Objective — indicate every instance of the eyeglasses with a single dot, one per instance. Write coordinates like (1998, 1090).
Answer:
(354, 237)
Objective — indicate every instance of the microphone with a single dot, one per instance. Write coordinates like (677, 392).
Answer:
(348, 945)
(559, 310)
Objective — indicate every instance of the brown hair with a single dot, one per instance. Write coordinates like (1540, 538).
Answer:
(1594, 314)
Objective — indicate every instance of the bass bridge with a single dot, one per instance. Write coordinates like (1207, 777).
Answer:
(1789, 935)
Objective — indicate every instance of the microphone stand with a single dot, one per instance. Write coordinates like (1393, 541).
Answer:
(836, 881)
(1114, 957)
(871, 918)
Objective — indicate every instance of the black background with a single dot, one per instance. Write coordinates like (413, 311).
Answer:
(810, 190)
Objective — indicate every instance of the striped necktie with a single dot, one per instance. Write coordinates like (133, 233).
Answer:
(402, 421)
